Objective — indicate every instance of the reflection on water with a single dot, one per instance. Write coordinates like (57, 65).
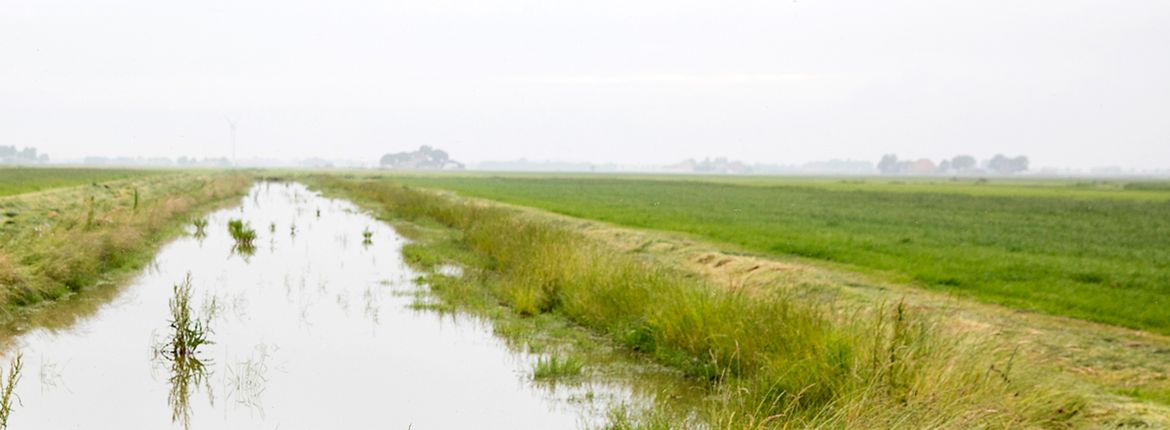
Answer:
(312, 329)
(188, 373)
(188, 334)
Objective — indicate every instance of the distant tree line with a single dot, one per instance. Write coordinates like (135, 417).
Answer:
(960, 164)
(425, 158)
(183, 161)
(11, 155)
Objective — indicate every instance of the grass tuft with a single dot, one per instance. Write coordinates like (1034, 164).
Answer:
(9, 387)
(243, 234)
(555, 366)
(188, 333)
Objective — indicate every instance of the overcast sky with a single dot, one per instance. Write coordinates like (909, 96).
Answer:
(1066, 82)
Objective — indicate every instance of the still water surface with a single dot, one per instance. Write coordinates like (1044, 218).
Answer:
(312, 331)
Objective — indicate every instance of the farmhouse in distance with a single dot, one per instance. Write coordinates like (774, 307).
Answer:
(425, 158)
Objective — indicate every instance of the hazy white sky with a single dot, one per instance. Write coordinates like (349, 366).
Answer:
(1067, 82)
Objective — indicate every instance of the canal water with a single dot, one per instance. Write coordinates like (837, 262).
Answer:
(313, 329)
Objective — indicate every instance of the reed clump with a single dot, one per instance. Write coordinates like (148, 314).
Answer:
(244, 235)
(772, 359)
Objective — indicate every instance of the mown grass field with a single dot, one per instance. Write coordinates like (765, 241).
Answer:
(19, 180)
(1093, 250)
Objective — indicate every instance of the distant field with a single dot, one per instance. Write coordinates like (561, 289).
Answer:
(20, 180)
(1092, 250)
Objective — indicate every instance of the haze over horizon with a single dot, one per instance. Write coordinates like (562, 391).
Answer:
(1074, 84)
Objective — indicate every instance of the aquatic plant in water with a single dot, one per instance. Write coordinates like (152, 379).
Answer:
(244, 235)
(9, 385)
(188, 333)
(367, 236)
(555, 366)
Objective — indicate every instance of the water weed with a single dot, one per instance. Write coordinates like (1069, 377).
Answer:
(9, 386)
(188, 332)
(243, 234)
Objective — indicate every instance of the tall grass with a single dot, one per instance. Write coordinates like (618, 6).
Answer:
(79, 240)
(772, 359)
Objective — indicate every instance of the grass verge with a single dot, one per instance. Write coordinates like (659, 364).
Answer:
(1094, 252)
(73, 239)
(769, 359)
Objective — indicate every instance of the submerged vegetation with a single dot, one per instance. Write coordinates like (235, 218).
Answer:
(772, 359)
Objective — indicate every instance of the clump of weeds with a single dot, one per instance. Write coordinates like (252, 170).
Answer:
(555, 366)
(367, 236)
(188, 334)
(244, 235)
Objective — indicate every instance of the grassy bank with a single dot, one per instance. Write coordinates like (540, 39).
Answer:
(60, 242)
(768, 358)
(1092, 250)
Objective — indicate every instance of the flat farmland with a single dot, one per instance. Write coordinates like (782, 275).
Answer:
(20, 180)
(1092, 250)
